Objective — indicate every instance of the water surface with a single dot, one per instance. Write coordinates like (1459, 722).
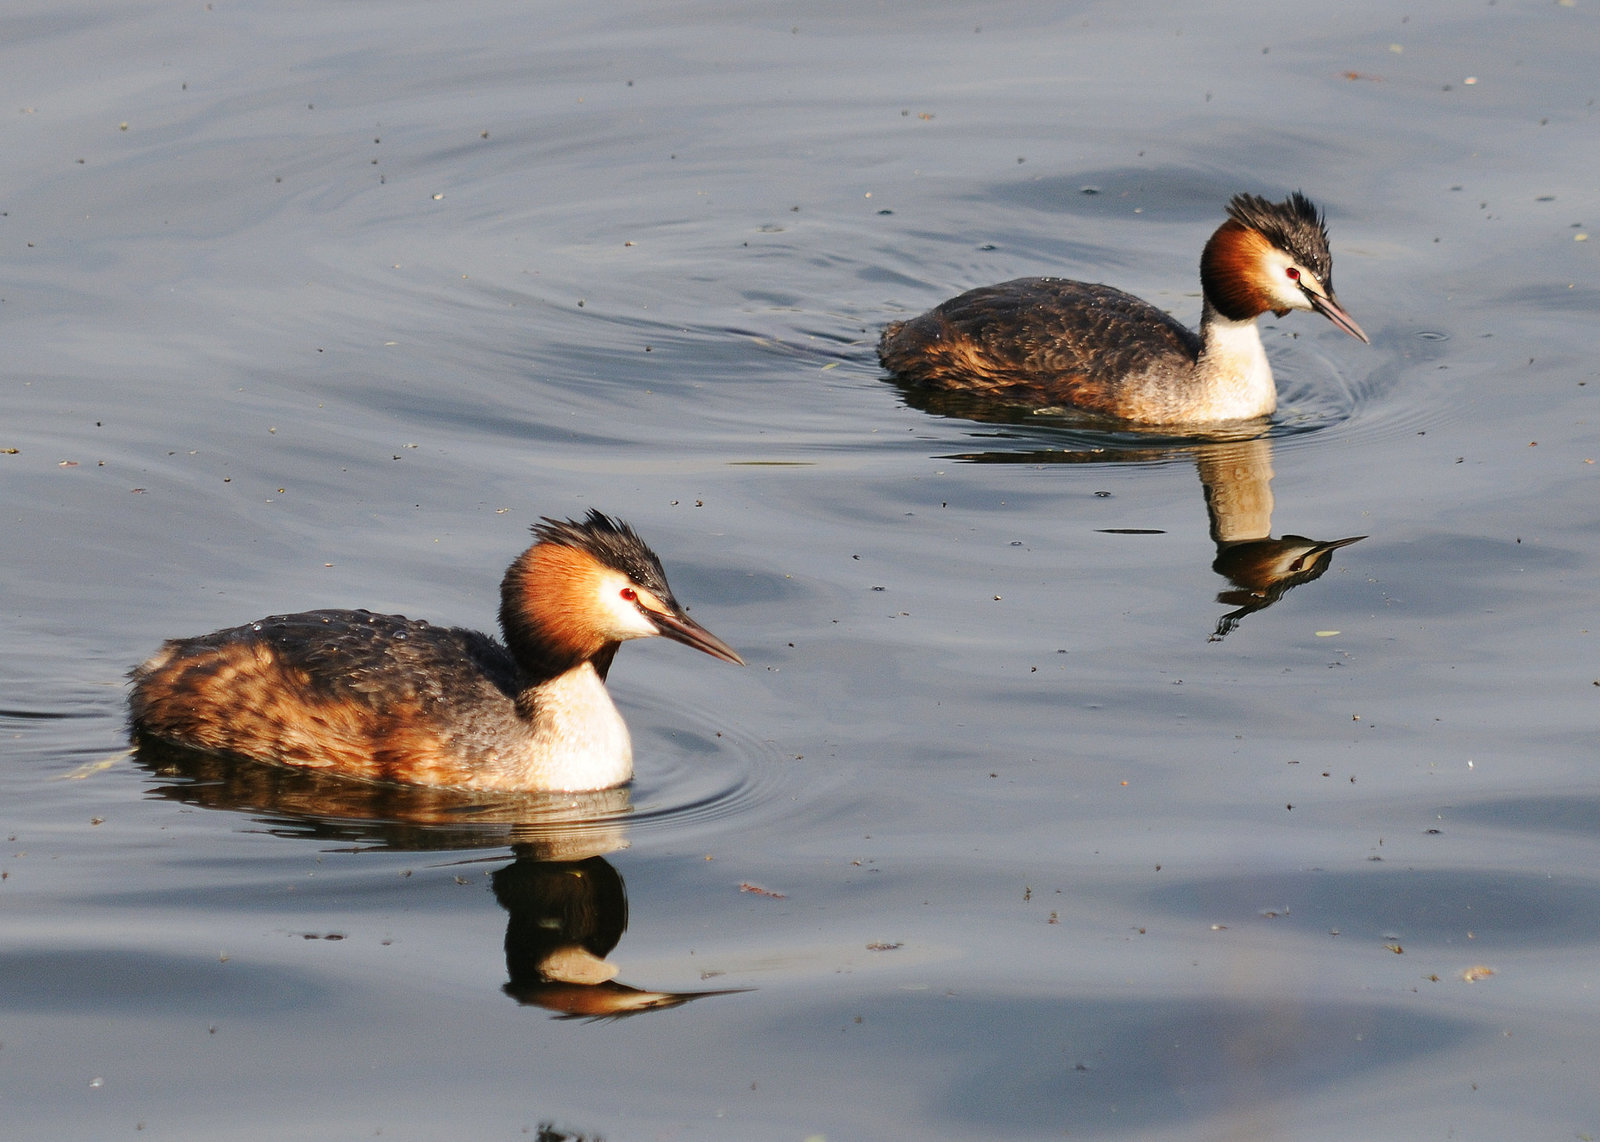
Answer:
(995, 837)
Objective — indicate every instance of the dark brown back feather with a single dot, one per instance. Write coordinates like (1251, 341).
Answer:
(1038, 341)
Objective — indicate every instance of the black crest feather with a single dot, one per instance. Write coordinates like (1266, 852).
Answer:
(613, 543)
(1293, 225)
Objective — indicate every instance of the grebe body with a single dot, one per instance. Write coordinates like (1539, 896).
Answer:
(386, 698)
(1048, 343)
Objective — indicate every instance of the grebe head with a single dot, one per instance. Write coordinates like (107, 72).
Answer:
(584, 587)
(1272, 255)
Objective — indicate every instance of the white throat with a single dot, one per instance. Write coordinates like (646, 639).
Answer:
(1234, 371)
(579, 738)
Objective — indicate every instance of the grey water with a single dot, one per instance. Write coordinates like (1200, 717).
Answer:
(1034, 815)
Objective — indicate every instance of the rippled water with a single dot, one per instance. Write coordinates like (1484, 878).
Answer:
(1036, 813)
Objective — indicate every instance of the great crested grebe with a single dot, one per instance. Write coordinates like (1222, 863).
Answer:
(386, 698)
(1054, 343)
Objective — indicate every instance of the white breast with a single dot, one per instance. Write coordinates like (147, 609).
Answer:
(579, 740)
(1234, 374)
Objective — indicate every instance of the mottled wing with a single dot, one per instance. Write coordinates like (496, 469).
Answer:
(343, 689)
(380, 659)
(1039, 341)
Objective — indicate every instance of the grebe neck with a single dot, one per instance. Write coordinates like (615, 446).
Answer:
(1233, 366)
(580, 739)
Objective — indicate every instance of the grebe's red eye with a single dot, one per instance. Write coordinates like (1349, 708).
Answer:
(630, 594)
(1294, 274)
